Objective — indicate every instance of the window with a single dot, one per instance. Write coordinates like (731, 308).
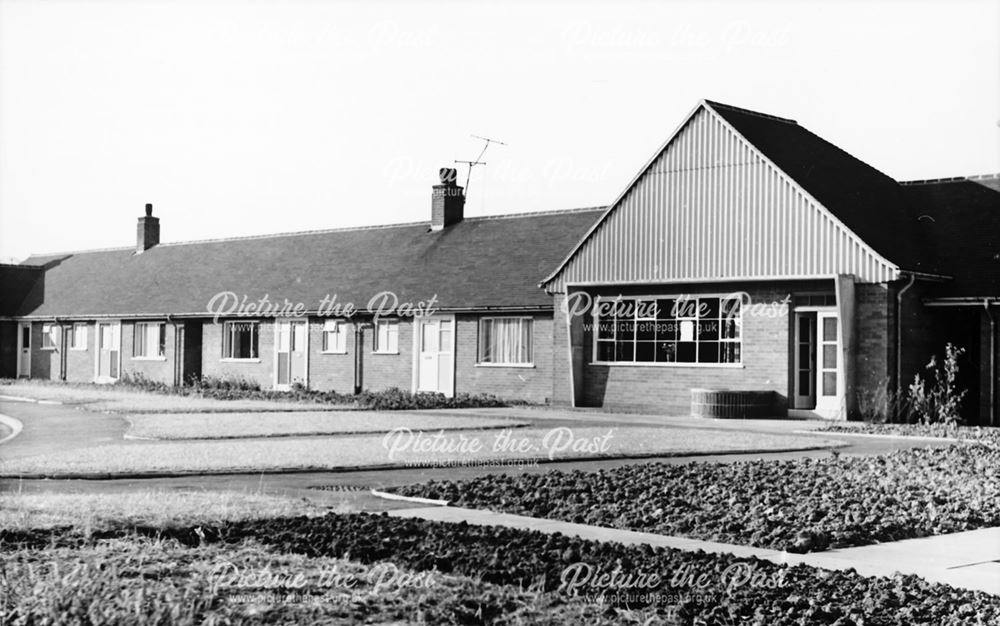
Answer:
(505, 340)
(386, 336)
(149, 340)
(49, 336)
(683, 329)
(240, 340)
(334, 336)
(78, 338)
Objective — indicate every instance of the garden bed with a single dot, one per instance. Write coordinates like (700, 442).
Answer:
(803, 505)
(480, 575)
(964, 433)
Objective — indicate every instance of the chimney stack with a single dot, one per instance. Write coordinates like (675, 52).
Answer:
(147, 232)
(447, 200)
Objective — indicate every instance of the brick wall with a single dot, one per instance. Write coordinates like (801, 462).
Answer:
(874, 327)
(80, 363)
(44, 363)
(160, 369)
(533, 384)
(260, 370)
(667, 389)
(330, 372)
(381, 371)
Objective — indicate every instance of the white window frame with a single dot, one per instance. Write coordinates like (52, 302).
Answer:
(144, 329)
(338, 329)
(48, 344)
(531, 346)
(392, 336)
(78, 337)
(227, 343)
(690, 296)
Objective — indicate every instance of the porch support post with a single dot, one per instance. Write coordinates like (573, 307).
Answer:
(846, 312)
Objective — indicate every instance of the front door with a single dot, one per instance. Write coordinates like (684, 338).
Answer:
(828, 373)
(291, 354)
(108, 352)
(436, 355)
(805, 360)
(24, 350)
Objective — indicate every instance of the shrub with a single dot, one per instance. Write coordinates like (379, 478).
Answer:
(940, 403)
(880, 403)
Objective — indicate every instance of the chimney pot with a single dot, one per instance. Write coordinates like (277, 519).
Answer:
(149, 210)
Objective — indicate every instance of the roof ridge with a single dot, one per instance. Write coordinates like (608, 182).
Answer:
(950, 179)
(322, 231)
(751, 112)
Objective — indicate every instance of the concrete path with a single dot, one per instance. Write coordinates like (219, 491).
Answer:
(969, 560)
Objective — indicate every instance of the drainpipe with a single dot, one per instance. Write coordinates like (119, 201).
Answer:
(358, 345)
(899, 335)
(63, 364)
(177, 351)
(992, 369)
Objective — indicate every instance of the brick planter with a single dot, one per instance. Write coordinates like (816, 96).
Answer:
(730, 404)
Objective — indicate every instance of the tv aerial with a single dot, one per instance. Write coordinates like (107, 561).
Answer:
(477, 160)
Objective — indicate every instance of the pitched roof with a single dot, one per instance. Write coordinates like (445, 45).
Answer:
(867, 201)
(480, 262)
(960, 219)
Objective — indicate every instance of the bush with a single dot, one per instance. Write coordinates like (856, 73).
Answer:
(941, 403)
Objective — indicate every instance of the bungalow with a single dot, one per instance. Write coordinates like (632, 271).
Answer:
(749, 259)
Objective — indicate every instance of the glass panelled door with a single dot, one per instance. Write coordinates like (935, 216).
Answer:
(805, 360)
(108, 351)
(24, 350)
(436, 355)
(828, 372)
(290, 344)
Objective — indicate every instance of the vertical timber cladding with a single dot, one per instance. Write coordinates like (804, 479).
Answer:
(711, 207)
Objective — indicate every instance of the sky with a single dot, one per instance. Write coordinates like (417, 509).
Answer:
(256, 117)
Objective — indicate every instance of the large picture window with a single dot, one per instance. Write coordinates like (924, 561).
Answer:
(149, 340)
(505, 340)
(240, 340)
(681, 329)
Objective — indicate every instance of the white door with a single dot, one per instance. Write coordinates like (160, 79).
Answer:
(829, 380)
(24, 350)
(436, 355)
(291, 347)
(805, 360)
(108, 357)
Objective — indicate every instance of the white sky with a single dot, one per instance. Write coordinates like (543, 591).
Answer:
(240, 118)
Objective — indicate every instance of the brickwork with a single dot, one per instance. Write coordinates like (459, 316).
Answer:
(533, 384)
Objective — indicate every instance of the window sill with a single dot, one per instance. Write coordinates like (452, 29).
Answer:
(727, 366)
(389, 353)
(149, 358)
(232, 360)
(333, 351)
(47, 349)
(77, 349)
(527, 366)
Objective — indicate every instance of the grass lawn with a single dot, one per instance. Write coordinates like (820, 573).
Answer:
(401, 448)
(233, 565)
(244, 425)
(117, 400)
